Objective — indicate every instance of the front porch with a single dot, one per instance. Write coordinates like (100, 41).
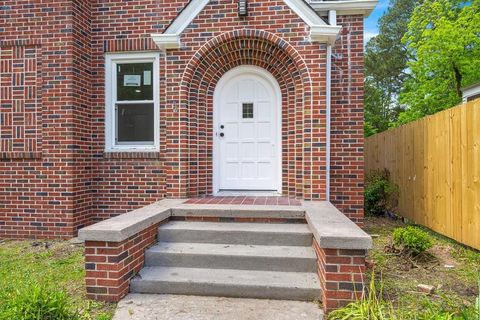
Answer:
(253, 247)
(246, 200)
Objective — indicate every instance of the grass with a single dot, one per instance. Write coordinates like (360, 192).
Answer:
(60, 264)
(57, 264)
(453, 269)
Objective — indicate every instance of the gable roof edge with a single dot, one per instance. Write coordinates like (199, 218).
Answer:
(305, 12)
(320, 31)
(170, 38)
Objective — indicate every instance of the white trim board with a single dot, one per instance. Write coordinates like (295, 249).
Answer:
(345, 7)
(320, 31)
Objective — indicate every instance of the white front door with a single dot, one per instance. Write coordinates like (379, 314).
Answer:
(247, 131)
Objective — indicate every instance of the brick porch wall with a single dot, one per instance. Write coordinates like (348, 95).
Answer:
(341, 274)
(110, 265)
(58, 178)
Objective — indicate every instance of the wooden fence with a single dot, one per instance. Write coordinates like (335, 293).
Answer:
(435, 161)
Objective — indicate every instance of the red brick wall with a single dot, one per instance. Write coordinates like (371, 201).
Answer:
(346, 174)
(37, 179)
(73, 182)
(82, 92)
(188, 172)
(110, 265)
(341, 274)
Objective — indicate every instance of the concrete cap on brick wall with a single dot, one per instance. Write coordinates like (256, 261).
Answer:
(126, 225)
(332, 229)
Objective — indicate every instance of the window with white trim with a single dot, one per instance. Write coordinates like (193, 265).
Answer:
(132, 102)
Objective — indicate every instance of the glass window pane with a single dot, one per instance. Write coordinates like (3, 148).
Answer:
(247, 111)
(135, 123)
(134, 81)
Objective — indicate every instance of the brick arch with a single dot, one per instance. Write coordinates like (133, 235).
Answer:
(204, 70)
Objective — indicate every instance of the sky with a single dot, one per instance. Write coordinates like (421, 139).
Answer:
(371, 28)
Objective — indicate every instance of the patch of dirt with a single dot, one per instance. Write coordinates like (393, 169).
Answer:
(444, 255)
(402, 273)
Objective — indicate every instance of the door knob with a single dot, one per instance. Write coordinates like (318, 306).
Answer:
(222, 126)
(222, 134)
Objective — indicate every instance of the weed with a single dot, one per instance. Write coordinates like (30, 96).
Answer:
(38, 302)
(57, 266)
(372, 307)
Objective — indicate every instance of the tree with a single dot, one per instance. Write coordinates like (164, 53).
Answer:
(385, 67)
(443, 47)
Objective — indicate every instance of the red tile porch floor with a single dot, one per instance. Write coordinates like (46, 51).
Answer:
(246, 200)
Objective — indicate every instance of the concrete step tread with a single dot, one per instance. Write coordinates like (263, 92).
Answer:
(230, 277)
(238, 227)
(233, 250)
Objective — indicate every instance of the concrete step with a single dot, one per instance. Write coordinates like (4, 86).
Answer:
(236, 233)
(228, 283)
(231, 256)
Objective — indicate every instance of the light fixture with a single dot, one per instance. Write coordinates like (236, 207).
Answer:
(242, 8)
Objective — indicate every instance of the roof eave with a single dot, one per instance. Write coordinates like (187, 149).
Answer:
(324, 33)
(166, 41)
(345, 7)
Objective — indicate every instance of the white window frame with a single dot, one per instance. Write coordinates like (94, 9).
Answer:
(111, 61)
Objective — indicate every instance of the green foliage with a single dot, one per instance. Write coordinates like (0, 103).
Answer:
(104, 316)
(381, 195)
(373, 306)
(426, 51)
(59, 265)
(369, 129)
(38, 302)
(443, 46)
(412, 239)
(385, 64)
(378, 111)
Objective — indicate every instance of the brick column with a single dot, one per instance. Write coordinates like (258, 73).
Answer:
(110, 265)
(341, 273)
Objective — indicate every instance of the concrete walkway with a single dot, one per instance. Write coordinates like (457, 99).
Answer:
(167, 307)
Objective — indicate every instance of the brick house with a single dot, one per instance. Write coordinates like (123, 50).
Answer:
(110, 106)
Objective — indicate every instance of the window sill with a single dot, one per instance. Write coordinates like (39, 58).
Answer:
(131, 154)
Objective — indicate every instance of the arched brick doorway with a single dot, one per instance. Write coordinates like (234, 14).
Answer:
(218, 56)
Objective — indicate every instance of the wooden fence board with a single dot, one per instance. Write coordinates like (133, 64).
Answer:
(435, 161)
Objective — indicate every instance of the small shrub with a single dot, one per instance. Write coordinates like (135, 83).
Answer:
(412, 239)
(38, 302)
(381, 195)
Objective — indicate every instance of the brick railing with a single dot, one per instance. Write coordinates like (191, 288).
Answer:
(341, 275)
(115, 249)
(341, 247)
(110, 265)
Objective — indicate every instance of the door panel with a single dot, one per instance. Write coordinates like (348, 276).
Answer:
(248, 142)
